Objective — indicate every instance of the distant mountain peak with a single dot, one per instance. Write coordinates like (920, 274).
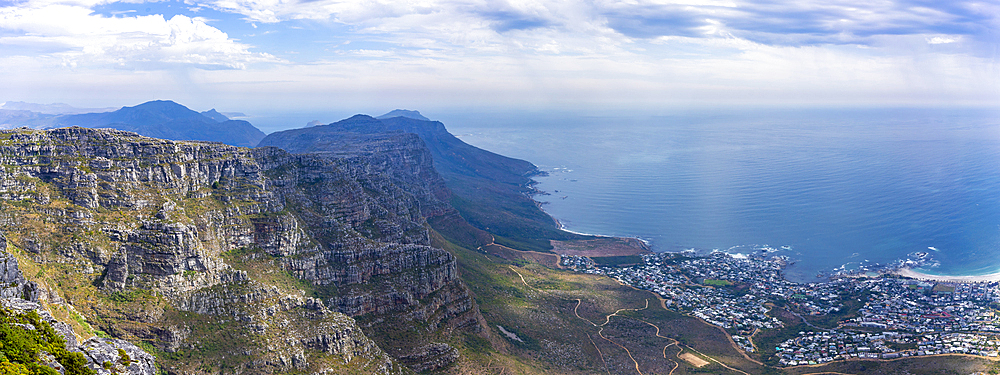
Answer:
(51, 109)
(170, 120)
(215, 115)
(159, 104)
(359, 117)
(404, 113)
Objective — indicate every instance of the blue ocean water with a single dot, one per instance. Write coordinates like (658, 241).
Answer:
(827, 188)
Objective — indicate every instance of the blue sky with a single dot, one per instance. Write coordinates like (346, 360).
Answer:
(274, 55)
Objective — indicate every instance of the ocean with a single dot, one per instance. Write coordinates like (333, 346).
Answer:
(831, 189)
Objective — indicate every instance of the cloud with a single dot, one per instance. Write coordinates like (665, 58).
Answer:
(73, 34)
(518, 52)
(652, 18)
(657, 20)
(940, 40)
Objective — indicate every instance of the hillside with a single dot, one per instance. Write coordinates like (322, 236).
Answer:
(345, 259)
(492, 192)
(217, 258)
(168, 120)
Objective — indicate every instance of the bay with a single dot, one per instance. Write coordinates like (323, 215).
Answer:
(829, 188)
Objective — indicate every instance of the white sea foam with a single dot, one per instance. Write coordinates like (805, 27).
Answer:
(582, 233)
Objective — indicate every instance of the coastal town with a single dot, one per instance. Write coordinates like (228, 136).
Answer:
(879, 315)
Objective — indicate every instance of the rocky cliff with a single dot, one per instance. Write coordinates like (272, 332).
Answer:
(492, 192)
(231, 259)
(27, 324)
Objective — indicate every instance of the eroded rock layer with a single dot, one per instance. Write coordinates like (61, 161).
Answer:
(252, 258)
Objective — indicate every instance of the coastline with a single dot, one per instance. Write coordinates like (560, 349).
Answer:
(909, 272)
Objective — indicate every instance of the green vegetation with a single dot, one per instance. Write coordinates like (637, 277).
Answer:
(553, 321)
(21, 347)
(943, 289)
(130, 295)
(542, 311)
(713, 282)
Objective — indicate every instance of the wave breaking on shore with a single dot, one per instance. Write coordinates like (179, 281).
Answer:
(911, 273)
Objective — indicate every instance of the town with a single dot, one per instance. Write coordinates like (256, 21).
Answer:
(877, 315)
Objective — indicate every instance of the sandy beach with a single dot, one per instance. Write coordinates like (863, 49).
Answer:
(950, 279)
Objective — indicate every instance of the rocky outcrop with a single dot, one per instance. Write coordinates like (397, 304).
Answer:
(492, 192)
(242, 237)
(113, 356)
(12, 282)
(430, 357)
(401, 157)
(105, 356)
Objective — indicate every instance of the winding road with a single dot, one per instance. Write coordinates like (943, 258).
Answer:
(607, 320)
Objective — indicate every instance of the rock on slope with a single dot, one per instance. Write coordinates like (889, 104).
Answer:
(104, 356)
(232, 259)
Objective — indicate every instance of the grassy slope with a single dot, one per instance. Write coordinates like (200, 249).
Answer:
(542, 311)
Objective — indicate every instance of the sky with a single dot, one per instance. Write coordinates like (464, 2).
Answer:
(308, 55)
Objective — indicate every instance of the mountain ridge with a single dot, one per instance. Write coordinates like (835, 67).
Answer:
(159, 119)
(404, 113)
(169, 120)
(491, 191)
(51, 109)
(181, 237)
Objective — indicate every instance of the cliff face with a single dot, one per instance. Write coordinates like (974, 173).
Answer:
(104, 356)
(491, 191)
(231, 258)
(401, 157)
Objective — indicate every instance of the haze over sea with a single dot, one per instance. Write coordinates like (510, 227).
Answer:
(828, 188)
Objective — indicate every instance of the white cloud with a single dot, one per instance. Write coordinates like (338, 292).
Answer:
(497, 25)
(75, 35)
(940, 40)
(523, 52)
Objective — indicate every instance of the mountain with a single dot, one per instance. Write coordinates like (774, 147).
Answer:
(15, 118)
(51, 109)
(168, 120)
(233, 115)
(226, 259)
(23, 302)
(404, 113)
(215, 115)
(124, 254)
(491, 191)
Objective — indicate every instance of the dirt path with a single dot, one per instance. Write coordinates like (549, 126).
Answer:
(673, 342)
(663, 304)
(676, 364)
(607, 320)
(731, 342)
(716, 361)
(551, 260)
(600, 333)
(521, 276)
(575, 312)
(807, 322)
